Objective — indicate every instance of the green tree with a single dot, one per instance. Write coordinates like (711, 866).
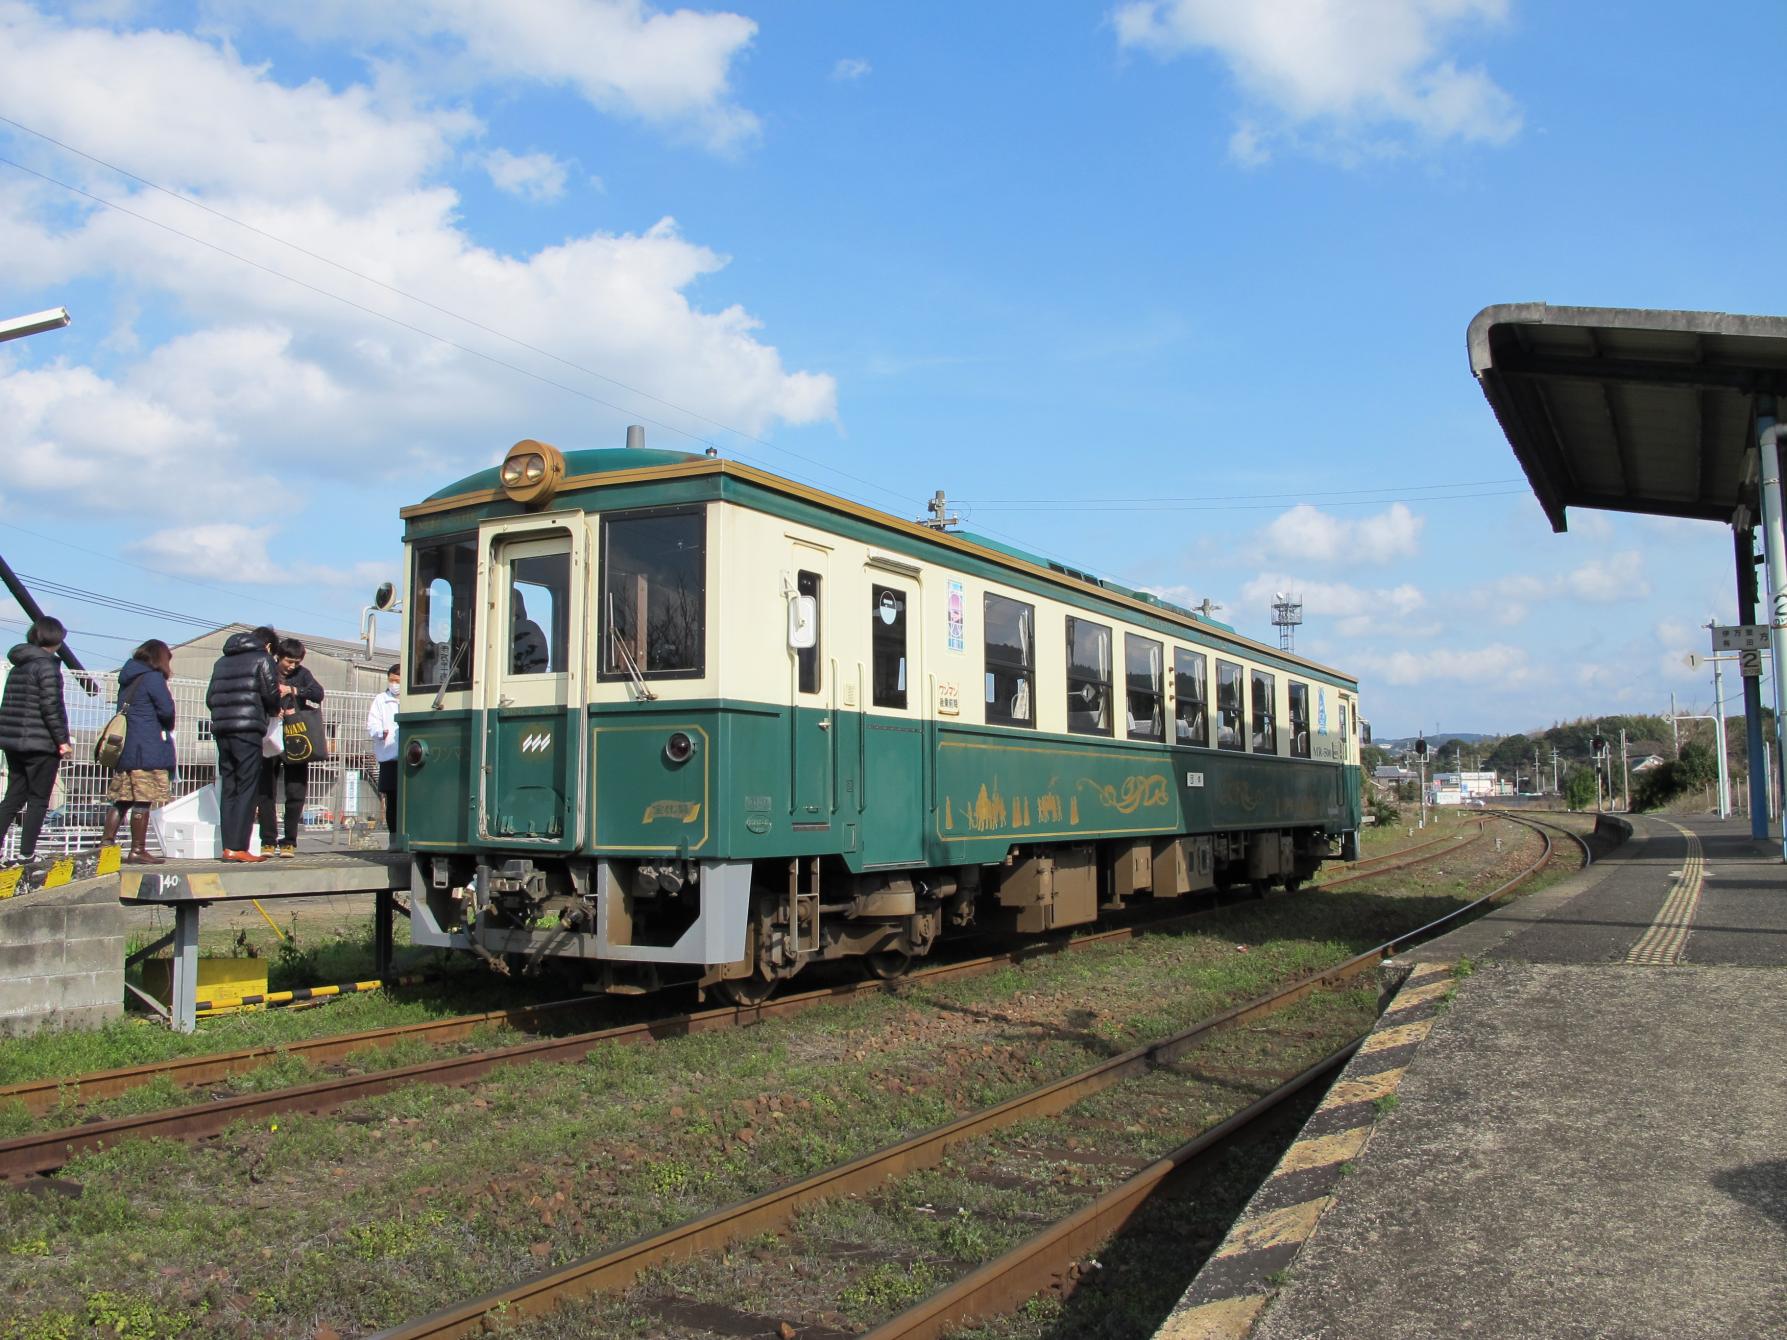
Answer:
(1579, 788)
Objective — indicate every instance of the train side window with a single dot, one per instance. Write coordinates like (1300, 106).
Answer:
(887, 616)
(1346, 741)
(1230, 713)
(1146, 672)
(807, 658)
(1088, 678)
(1010, 635)
(1299, 695)
(443, 614)
(1191, 688)
(654, 595)
(1265, 718)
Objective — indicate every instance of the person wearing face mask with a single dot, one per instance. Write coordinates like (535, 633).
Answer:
(381, 728)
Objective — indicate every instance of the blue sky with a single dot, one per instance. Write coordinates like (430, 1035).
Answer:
(1173, 289)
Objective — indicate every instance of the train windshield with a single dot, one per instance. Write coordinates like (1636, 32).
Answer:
(442, 613)
(654, 585)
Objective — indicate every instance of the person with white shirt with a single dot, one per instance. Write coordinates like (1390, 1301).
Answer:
(381, 727)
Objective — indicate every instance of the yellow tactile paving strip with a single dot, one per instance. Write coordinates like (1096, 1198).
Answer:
(12, 879)
(1235, 1284)
(1668, 935)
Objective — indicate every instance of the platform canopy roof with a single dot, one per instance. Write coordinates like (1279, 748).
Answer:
(1628, 410)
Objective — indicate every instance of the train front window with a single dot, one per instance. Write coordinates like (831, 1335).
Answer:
(1299, 694)
(1088, 678)
(442, 619)
(1230, 714)
(1011, 635)
(540, 614)
(1146, 671)
(1265, 713)
(1191, 690)
(654, 608)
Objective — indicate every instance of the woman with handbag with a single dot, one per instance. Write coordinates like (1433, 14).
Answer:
(300, 701)
(142, 778)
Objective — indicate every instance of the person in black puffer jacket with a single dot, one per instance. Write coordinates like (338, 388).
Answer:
(33, 731)
(243, 696)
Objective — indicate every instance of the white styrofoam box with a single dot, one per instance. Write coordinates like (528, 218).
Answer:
(187, 829)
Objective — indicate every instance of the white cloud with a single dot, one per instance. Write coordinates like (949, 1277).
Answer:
(1496, 663)
(244, 555)
(850, 67)
(1611, 580)
(1307, 534)
(295, 385)
(538, 177)
(1340, 70)
(623, 56)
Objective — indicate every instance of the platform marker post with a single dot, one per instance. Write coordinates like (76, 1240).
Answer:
(1775, 559)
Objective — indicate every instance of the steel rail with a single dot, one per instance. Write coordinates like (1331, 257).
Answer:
(46, 1151)
(1451, 844)
(1042, 1261)
(614, 1269)
(41, 1095)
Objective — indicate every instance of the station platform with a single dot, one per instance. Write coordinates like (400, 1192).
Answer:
(1571, 1120)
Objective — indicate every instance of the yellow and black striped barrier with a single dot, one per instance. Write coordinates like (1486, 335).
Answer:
(301, 993)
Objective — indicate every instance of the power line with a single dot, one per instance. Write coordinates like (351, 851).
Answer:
(1254, 497)
(1066, 505)
(99, 598)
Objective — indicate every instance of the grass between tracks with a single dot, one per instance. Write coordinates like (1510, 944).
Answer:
(408, 1201)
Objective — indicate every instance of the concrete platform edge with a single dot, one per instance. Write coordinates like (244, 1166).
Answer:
(1236, 1285)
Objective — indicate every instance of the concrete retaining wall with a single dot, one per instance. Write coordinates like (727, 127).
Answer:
(62, 958)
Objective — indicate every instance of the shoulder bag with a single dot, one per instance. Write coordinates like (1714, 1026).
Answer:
(109, 748)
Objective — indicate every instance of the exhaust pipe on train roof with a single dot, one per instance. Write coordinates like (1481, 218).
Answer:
(635, 436)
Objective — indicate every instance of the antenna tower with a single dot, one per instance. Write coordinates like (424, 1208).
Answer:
(1287, 613)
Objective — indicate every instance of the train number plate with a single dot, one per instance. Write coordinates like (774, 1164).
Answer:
(1194, 780)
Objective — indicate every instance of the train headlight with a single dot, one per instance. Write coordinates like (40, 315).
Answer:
(417, 753)
(531, 471)
(679, 748)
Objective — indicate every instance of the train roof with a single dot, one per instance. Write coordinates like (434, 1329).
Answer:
(597, 467)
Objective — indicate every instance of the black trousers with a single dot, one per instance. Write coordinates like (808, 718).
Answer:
(29, 780)
(387, 788)
(294, 779)
(238, 778)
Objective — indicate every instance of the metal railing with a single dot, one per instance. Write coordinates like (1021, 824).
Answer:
(343, 788)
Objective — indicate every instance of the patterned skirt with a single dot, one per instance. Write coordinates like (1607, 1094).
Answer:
(145, 786)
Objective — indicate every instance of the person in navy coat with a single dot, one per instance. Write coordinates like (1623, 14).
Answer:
(143, 777)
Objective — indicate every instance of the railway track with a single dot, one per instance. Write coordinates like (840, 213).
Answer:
(45, 1151)
(1021, 1273)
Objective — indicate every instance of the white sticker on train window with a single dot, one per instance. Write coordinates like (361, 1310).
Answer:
(1194, 779)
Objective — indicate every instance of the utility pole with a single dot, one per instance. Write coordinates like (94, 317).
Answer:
(1719, 727)
(1625, 767)
(1537, 784)
(1675, 733)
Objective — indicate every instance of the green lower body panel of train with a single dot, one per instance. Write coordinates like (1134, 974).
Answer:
(747, 782)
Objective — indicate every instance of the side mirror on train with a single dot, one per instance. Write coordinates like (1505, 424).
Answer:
(384, 597)
(803, 623)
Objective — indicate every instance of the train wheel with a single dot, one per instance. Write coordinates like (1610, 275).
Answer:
(1292, 885)
(1259, 887)
(888, 965)
(745, 992)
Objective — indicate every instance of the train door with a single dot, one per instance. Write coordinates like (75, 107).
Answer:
(894, 801)
(533, 688)
(812, 755)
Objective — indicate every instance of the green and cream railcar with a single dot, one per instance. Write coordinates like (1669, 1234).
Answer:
(681, 718)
